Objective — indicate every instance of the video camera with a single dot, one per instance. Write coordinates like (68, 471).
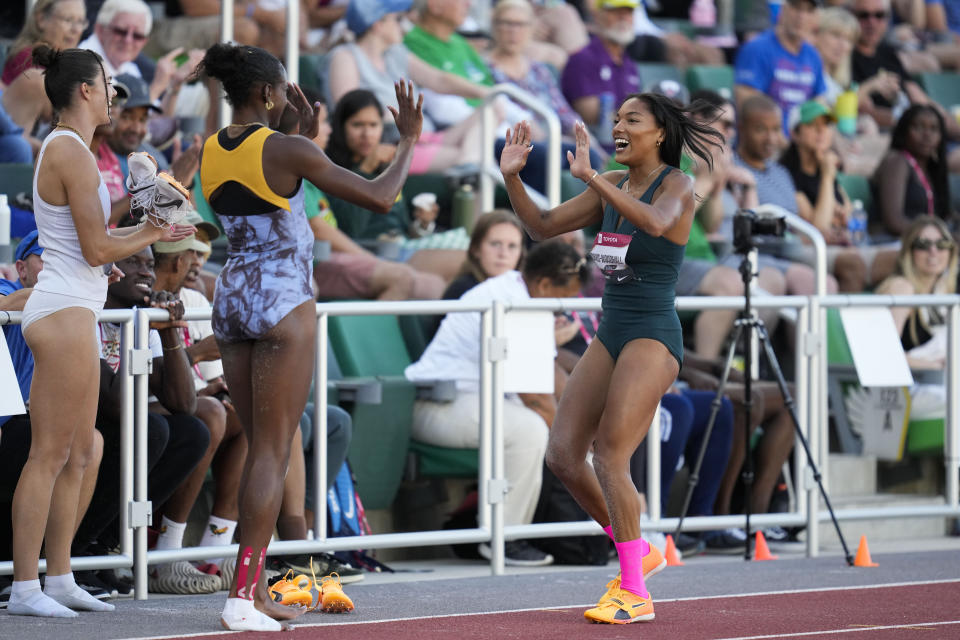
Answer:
(748, 223)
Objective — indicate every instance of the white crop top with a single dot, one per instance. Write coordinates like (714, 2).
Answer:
(65, 271)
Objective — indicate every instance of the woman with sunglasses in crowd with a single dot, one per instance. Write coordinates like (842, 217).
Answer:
(926, 264)
(646, 212)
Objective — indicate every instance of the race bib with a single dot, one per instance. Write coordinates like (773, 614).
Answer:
(610, 254)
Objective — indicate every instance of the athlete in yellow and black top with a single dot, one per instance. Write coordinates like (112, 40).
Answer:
(264, 316)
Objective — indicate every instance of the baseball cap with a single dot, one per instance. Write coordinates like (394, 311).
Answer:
(807, 113)
(618, 4)
(361, 14)
(190, 242)
(671, 89)
(138, 93)
(28, 246)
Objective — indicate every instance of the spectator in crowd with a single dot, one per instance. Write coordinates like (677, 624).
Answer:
(874, 56)
(911, 180)
(120, 32)
(129, 132)
(195, 24)
(681, 437)
(15, 430)
(435, 41)
(600, 76)
(172, 262)
(653, 44)
(771, 452)
(351, 271)
(759, 137)
(57, 23)
(926, 264)
(943, 19)
(514, 24)
(496, 246)
(836, 37)
(13, 146)
(821, 201)
(178, 439)
(724, 189)
(378, 58)
(551, 270)
(356, 144)
(781, 62)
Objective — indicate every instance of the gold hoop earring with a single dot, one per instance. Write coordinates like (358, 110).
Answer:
(269, 105)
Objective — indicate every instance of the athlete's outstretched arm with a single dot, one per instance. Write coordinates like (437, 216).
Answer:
(379, 194)
(576, 213)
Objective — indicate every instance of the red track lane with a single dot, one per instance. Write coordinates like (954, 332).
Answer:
(845, 614)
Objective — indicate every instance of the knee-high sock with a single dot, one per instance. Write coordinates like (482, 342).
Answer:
(631, 566)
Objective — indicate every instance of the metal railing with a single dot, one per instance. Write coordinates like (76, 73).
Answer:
(490, 171)
(135, 507)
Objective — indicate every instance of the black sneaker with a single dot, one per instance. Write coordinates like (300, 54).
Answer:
(731, 541)
(690, 544)
(323, 565)
(120, 587)
(89, 582)
(5, 591)
(519, 553)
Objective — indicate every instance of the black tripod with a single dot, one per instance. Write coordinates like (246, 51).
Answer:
(744, 327)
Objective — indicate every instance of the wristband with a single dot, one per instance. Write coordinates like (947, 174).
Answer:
(595, 174)
(179, 346)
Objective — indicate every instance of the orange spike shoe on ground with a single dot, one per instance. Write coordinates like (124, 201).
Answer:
(653, 563)
(292, 592)
(332, 597)
(623, 607)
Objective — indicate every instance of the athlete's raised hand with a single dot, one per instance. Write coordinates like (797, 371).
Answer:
(517, 147)
(409, 118)
(309, 114)
(580, 161)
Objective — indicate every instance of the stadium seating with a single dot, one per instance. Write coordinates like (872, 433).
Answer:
(651, 73)
(858, 188)
(944, 88)
(372, 347)
(716, 77)
(16, 177)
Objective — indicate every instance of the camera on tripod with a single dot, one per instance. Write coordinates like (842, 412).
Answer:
(748, 223)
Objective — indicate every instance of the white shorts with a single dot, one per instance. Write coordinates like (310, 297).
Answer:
(41, 304)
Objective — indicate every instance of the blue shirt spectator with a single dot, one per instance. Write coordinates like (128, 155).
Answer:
(29, 264)
(789, 78)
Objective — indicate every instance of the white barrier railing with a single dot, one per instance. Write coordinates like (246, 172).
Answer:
(136, 507)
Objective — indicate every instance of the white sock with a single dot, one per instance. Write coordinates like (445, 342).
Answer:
(239, 614)
(64, 590)
(219, 531)
(171, 534)
(26, 599)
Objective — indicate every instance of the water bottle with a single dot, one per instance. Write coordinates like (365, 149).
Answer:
(464, 208)
(857, 225)
(605, 122)
(703, 14)
(6, 251)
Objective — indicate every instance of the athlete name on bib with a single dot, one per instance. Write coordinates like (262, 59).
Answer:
(610, 251)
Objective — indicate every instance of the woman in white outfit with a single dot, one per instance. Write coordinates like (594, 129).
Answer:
(71, 206)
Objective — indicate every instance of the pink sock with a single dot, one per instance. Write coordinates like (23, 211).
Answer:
(644, 545)
(631, 566)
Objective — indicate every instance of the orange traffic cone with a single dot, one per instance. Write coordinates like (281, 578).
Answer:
(761, 550)
(671, 553)
(863, 555)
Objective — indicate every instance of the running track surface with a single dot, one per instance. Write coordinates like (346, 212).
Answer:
(929, 611)
(910, 595)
